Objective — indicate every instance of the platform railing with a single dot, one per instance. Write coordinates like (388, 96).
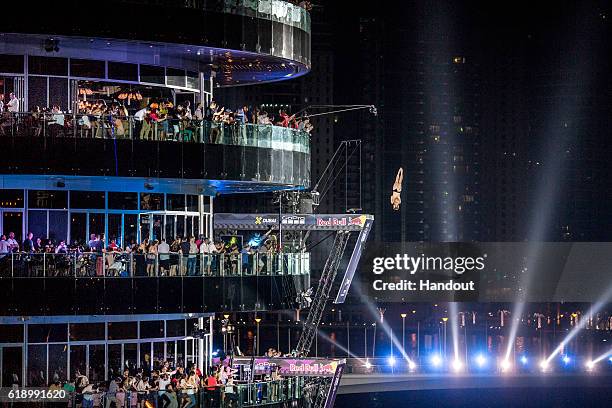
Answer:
(65, 125)
(139, 265)
(240, 394)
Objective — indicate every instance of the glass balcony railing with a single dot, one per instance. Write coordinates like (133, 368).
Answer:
(61, 125)
(136, 265)
(252, 394)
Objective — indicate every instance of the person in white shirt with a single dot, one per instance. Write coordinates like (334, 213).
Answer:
(163, 249)
(5, 248)
(207, 248)
(13, 244)
(13, 105)
(1, 103)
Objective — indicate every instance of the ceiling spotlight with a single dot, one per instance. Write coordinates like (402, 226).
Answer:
(544, 365)
(590, 365)
(436, 360)
(411, 365)
(51, 45)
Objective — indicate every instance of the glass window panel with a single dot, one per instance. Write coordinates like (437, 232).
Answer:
(145, 358)
(114, 229)
(44, 333)
(11, 333)
(58, 225)
(96, 223)
(114, 360)
(47, 65)
(180, 225)
(130, 355)
(169, 228)
(192, 203)
(77, 360)
(192, 80)
(180, 353)
(189, 230)
(158, 355)
(37, 223)
(58, 359)
(123, 201)
(122, 71)
(151, 201)
(37, 365)
(196, 225)
(96, 363)
(170, 352)
(54, 199)
(12, 221)
(122, 330)
(11, 365)
(78, 228)
(152, 74)
(37, 92)
(58, 93)
(129, 226)
(176, 77)
(145, 226)
(86, 331)
(11, 63)
(175, 328)
(87, 199)
(11, 198)
(87, 68)
(151, 329)
(175, 202)
(158, 226)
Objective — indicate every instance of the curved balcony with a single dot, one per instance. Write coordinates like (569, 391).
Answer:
(243, 41)
(224, 158)
(120, 283)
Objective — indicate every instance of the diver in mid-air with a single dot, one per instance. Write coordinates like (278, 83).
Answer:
(396, 199)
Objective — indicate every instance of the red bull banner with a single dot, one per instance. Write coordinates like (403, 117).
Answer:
(293, 367)
(349, 222)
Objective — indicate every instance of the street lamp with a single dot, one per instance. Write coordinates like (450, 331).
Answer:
(403, 315)
(257, 320)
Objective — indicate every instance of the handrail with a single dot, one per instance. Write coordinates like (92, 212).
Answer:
(110, 265)
(116, 127)
(250, 394)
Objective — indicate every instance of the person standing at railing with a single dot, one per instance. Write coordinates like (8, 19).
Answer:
(12, 242)
(191, 259)
(13, 104)
(139, 120)
(207, 249)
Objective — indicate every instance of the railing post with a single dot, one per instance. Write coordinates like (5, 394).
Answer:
(44, 265)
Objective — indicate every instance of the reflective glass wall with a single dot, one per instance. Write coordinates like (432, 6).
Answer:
(125, 217)
(39, 353)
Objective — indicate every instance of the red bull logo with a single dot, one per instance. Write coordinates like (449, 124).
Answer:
(332, 222)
